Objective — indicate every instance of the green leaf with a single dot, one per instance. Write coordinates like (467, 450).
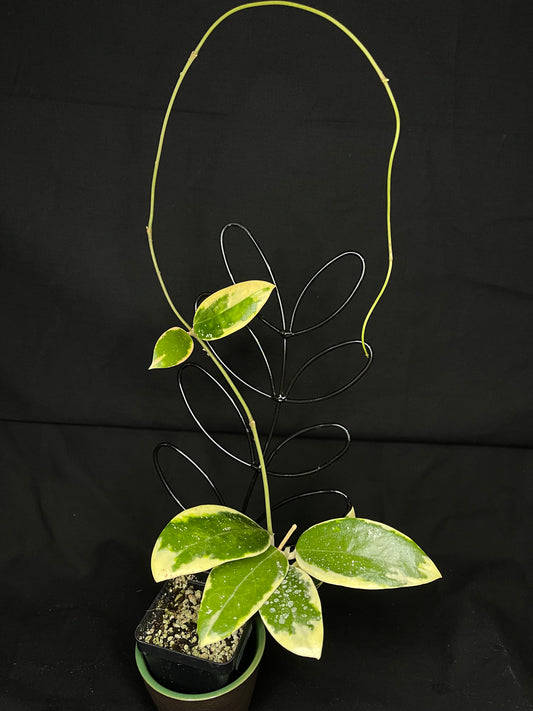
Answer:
(293, 615)
(172, 348)
(230, 309)
(358, 553)
(197, 539)
(235, 591)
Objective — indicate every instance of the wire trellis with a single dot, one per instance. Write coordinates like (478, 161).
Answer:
(279, 392)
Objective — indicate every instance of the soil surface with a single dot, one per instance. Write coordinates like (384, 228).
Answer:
(172, 624)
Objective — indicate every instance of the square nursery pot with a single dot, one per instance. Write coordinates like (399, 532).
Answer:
(235, 696)
(175, 679)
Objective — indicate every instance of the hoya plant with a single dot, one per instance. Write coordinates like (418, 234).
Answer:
(249, 571)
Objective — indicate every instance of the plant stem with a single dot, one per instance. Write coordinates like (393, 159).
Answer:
(253, 428)
(160, 278)
(289, 533)
(379, 72)
(149, 227)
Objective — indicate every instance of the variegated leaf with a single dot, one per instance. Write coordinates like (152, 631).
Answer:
(172, 347)
(293, 615)
(235, 591)
(199, 538)
(230, 309)
(359, 553)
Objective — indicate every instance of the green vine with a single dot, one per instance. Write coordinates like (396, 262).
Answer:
(149, 228)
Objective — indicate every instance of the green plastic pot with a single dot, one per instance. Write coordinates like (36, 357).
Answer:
(235, 696)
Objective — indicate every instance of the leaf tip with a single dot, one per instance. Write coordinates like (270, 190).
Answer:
(430, 570)
(153, 365)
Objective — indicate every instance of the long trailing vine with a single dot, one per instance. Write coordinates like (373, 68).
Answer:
(149, 228)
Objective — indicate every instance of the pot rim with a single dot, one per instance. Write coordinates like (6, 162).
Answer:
(149, 679)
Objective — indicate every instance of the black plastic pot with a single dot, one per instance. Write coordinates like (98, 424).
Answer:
(235, 696)
(182, 672)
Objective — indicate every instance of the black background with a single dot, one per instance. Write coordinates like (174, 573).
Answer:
(281, 125)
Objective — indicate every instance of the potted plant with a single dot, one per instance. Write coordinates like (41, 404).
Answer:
(251, 575)
(249, 571)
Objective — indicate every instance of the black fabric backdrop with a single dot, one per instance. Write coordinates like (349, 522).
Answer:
(282, 126)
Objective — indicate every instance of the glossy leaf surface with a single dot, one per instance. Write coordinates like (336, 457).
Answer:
(293, 615)
(199, 538)
(230, 309)
(235, 591)
(359, 553)
(172, 347)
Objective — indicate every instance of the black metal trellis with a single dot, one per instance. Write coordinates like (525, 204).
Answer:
(280, 391)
